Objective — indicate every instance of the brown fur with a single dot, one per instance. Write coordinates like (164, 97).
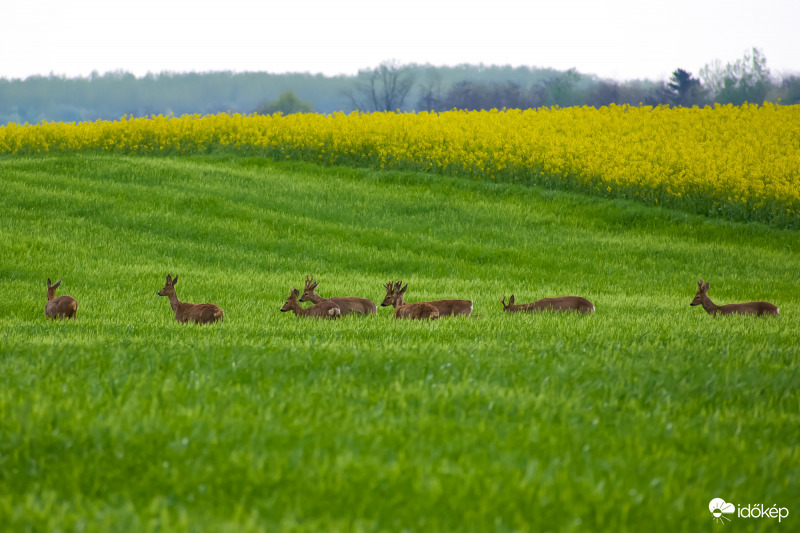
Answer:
(325, 309)
(416, 311)
(445, 307)
(576, 304)
(186, 312)
(61, 307)
(748, 308)
(347, 304)
(419, 310)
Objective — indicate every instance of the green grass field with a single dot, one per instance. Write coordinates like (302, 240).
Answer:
(631, 419)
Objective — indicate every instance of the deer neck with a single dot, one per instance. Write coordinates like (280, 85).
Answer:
(710, 307)
(173, 299)
(398, 302)
(315, 298)
(296, 308)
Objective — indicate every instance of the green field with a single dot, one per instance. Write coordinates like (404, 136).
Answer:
(630, 419)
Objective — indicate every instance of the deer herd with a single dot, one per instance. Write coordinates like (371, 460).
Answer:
(337, 307)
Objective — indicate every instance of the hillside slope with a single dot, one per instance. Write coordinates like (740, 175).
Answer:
(125, 420)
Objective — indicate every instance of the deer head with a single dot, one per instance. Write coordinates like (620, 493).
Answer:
(507, 307)
(394, 294)
(308, 292)
(389, 286)
(51, 289)
(702, 293)
(169, 286)
(292, 301)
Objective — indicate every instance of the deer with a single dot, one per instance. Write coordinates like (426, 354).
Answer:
(325, 309)
(445, 307)
(748, 308)
(414, 311)
(186, 312)
(347, 304)
(576, 304)
(61, 307)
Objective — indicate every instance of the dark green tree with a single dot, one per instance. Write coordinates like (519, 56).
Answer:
(684, 90)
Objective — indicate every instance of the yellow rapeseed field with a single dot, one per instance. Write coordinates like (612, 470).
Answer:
(740, 162)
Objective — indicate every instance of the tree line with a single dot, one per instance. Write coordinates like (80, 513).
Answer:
(389, 86)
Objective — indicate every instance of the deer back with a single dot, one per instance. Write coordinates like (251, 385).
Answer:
(198, 313)
(417, 311)
(325, 309)
(563, 303)
(62, 307)
(453, 307)
(353, 304)
(748, 308)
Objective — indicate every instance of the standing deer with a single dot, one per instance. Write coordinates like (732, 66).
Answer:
(748, 308)
(347, 304)
(445, 307)
(61, 307)
(414, 311)
(576, 304)
(324, 309)
(186, 312)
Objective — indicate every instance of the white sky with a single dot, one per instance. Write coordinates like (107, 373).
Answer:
(620, 39)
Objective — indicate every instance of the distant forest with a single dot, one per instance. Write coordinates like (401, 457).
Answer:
(389, 86)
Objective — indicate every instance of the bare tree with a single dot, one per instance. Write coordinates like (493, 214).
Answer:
(431, 93)
(383, 88)
(747, 79)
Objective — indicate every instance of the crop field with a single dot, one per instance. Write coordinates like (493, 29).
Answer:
(629, 419)
(740, 163)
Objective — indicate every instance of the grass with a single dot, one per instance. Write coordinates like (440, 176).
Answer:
(631, 419)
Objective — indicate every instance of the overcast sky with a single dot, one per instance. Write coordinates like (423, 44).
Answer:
(619, 39)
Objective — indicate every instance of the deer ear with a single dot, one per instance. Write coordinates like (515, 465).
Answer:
(511, 300)
(175, 280)
(403, 290)
(48, 283)
(313, 286)
(705, 288)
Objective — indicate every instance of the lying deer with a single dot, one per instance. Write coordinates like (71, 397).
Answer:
(414, 311)
(577, 304)
(445, 307)
(347, 304)
(186, 312)
(61, 307)
(748, 308)
(324, 309)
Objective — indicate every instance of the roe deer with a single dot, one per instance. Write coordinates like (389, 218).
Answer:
(186, 312)
(748, 308)
(61, 307)
(414, 311)
(577, 304)
(347, 304)
(445, 307)
(324, 309)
